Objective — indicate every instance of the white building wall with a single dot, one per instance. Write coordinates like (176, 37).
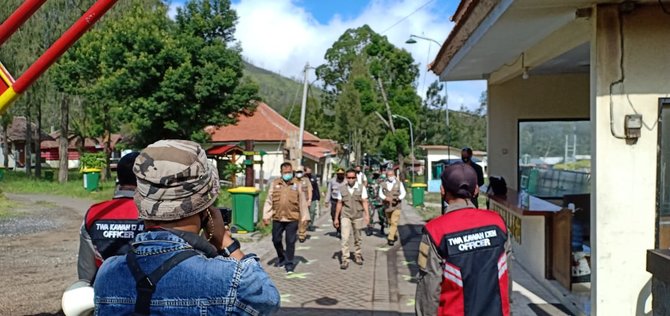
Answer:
(624, 209)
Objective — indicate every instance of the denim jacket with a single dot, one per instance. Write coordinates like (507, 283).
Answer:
(197, 286)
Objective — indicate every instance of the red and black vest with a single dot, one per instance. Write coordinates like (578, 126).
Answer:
(471, 243)
(112, 226)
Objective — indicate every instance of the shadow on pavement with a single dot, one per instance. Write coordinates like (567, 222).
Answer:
(410, 237)
(336, 312)
(549, 309)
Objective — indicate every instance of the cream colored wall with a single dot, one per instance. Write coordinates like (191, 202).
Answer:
(437, 155)
(625, 175)
(539, 97)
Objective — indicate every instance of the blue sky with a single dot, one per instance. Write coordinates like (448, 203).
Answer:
(282, 35)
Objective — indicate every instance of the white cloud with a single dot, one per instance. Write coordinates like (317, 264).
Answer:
(281, 36)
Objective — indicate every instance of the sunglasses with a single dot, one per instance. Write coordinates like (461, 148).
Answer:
(351, 177)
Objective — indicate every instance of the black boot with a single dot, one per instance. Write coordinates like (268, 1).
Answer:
(368, 230)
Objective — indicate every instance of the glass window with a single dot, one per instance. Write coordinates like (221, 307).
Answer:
(664, 176)
(554, 158)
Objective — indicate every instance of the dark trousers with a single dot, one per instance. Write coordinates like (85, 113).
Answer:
(291, 229)
(333, 208)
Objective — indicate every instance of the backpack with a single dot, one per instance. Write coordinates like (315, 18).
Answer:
(497, 186)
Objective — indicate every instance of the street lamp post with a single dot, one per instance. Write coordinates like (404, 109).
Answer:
(411, 40)
(411, 138)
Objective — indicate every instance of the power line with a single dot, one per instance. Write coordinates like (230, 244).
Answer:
(407, 16)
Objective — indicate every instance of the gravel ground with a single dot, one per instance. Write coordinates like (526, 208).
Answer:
(38, 253)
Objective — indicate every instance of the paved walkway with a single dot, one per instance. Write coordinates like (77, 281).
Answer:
(383, 285)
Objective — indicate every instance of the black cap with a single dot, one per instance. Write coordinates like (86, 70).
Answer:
(124, 169)
(460, 180)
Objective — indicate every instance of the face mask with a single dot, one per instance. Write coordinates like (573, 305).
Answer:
(391, 179)
(309, 175)
(299, 174)
(340, 177)
(287, 176)
(358, 171)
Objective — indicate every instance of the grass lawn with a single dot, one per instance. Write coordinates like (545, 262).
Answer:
(19, 182)
(6, 207)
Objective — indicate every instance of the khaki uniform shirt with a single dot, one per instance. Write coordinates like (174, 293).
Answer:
(285, 202)
(306, 188)
(352, 200)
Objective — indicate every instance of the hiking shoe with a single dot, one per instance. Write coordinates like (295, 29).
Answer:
(391, 242)
(289, 268)
(344, 265)
(278, 263)
(358, 259)
(368, 231)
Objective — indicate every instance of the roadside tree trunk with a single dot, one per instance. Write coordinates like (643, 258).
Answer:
(6, 119)
(38, 141)
(63, 140)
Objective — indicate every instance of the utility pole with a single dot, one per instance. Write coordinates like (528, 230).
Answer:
(303, 109)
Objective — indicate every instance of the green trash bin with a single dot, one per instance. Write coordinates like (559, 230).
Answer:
(245, 208)
(91, 179)
(417, 193)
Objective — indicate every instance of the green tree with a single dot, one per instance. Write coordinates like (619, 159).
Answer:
(162, 78)
(363, 69)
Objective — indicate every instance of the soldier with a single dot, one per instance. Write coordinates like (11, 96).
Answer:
(392, 193)
(306, 185)
(352, 205)
(316, 197)
(285, 206)
(331, 195)
(373, 198)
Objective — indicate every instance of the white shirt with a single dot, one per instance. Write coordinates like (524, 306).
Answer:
(364, 193)
(389, 186)
(360, 177)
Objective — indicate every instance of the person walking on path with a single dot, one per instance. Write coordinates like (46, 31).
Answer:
(332, 193)
(466, 156)
(375, 204)
(360, 176)
(392, 193)
(285, 206)
(352, 205)
(316, 198)
(463, 255)
(306, 186)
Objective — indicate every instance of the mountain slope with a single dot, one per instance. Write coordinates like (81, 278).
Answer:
(276, 90)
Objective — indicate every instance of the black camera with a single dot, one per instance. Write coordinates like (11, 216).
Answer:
(227, 215)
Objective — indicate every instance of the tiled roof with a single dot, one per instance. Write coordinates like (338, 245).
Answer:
(224, 150)
(316, 152)
(263, 125)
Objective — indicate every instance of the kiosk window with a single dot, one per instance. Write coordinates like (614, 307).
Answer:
(554, 158)
(664, 176)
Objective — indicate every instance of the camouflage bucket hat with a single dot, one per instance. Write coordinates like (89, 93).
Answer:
(174, 180)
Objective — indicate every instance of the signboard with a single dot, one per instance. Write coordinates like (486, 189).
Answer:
(253, 153)
(512, 220)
